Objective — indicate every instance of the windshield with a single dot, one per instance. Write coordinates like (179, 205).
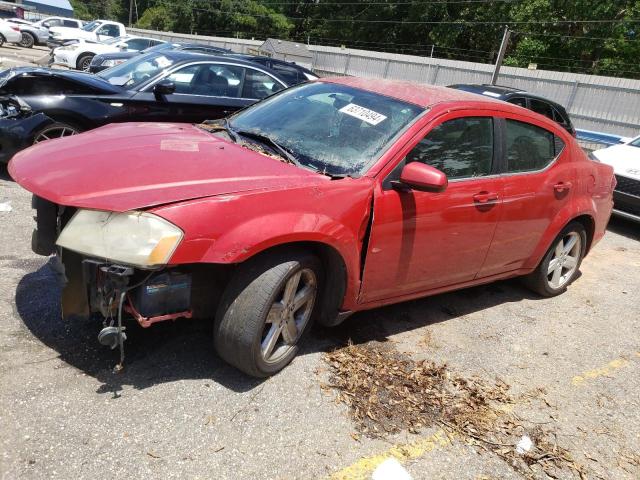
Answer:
(335, 129)
(137, 70)
(635, 143)
(91, 25)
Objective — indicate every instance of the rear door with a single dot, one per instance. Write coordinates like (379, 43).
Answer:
(422, 240)
(538, 184)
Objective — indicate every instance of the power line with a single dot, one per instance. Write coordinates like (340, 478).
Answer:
(577, 37)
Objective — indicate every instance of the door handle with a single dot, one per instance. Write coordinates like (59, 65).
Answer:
(485, 197)
(562, 186)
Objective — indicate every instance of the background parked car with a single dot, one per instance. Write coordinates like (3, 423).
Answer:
(292, 72)
(166, 86)
(108, 60)
(625, 160)
(79, 55)
(97, 31)
(9, 33)
(543, 106)
(38, 32)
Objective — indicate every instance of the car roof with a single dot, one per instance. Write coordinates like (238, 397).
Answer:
(501, 92)
(419, 94)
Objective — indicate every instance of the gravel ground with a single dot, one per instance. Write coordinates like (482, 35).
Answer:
(177, 411)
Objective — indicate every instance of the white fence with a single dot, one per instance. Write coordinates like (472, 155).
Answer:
(605, 104)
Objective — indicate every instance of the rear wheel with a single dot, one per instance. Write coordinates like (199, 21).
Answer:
(266, 310)
(561, 264)
(27, 40)
(2, 40)
(55, 130)
(84, 61)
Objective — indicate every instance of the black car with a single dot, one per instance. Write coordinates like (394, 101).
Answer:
(543, 106)
(291, 72)
(169, 86)
(108, 60)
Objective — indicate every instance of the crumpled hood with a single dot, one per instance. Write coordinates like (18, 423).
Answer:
(131, 166)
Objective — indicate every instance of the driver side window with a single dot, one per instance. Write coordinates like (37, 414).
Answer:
(108, 31)
(461, 148)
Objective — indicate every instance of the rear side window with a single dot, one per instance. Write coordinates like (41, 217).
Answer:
(70, 23)
(461, 148)
(530, 148)
(259, 85)
(521, 102)
(543, 108)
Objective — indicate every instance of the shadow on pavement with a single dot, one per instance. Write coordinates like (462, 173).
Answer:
(180, 350)
(624, 227)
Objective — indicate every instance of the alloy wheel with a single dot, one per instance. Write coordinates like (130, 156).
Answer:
(57, 131)
(288, 315)
(564, 261)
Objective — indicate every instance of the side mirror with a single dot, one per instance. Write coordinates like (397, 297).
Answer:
(164, 87)
(421, 177)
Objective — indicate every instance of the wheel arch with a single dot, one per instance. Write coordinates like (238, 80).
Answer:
(584, 216)
(335, 273)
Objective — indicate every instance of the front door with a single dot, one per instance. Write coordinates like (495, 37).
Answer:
(421, 240)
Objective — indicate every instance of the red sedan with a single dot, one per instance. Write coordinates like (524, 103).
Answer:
(327, 198)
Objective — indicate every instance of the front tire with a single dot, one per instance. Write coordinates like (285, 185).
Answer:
(265, 311)
(84, 61)
(55, 130)
(27, 40)
(560, 266)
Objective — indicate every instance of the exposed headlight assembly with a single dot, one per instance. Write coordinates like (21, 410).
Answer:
(136, 238)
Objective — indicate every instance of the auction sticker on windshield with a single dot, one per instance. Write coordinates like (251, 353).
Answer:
(362, 113)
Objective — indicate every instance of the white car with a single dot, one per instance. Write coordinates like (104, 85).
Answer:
(9, 32)
(37, 33)
(97, 31)
(625, 160)
(79, 55)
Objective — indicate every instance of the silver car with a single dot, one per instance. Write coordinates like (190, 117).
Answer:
(38, 32)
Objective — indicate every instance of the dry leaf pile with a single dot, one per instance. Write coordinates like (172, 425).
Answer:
(388, 392)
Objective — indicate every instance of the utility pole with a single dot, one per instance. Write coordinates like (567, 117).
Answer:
(503, 49)
(130, 12)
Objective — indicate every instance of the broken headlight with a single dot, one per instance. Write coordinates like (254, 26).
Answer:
(135, 238)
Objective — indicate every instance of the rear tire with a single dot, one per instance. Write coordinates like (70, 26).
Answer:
(2, 40)
(265, 311)
(561, 264)
(27, 40)
(84, 61)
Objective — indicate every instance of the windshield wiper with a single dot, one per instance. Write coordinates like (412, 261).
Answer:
(284, 152)
(216, 126)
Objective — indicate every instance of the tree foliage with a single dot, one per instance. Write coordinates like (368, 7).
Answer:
(587, 36)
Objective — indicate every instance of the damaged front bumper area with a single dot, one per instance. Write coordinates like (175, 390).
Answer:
(113, 291)
(18, 126)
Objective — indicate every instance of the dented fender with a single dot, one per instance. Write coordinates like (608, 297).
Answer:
(233, 228)
(17, 133)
